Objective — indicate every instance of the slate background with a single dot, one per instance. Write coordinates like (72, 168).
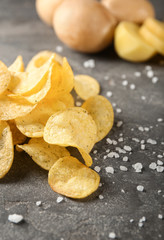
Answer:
(21, 32)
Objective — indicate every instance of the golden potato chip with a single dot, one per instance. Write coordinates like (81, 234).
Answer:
(41, 58)
(67, 99)
(32, 125)
(5, 77)
(71, 178)
(12, 108)
(23, 83)
(17, 66)
(6, 149)
(18, 137)
(86, 157)
(71, 127)
(44, 154)
(101, 111)
(86, 86)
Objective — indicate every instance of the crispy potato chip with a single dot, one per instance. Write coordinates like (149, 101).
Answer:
(41, 58)
(67, 99)
(71, 127)
(71, 178)
(87, 158)
(17, 66)
(12, 108)
(32, 125)
(101, 111)
(18, 137)
(44, 154)
(6, 149)
(23, 83)
(86, 86)
(5, 77)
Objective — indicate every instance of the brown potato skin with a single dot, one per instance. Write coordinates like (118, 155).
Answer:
(46, 8)
(84, 25)
(130, 10)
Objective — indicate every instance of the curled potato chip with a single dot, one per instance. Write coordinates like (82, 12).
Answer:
(12, 108)
(6, 149)
(67, 99)
(18, 137)
(5, 77)
(32, 125)
(71, 178)
(23, 83)
(86, 86)
(41, 58)
(71, 127)
(17, 65)
(101, 111)
(44, 154)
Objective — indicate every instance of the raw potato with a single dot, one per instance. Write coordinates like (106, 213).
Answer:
(129, 44)
(17, 65)
(46, 9)
(152, 39)
(71, 178)
(102, 113)
(44, 154)
(130, 10)
(84, 25)
(5, 78)
(6, 149)
(18, 137)
(155, 26)
(86, 86)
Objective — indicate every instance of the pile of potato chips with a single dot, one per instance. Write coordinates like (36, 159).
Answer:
(37, 103)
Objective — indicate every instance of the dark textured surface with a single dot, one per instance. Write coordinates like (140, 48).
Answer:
(21, 32)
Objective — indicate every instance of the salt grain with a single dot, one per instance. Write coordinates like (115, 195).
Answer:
(142, 147)
(160, 156)
(147, 68)
(154, 80)
(160, 168)
(123, 168)
(140, 224)
(132, 86)
(137, 74)
(118, 110)
(160, 120)
(150, 73)
(106, 78)
(59, 49)
(95, 151)
(109, 94)
(78, 104)
(125, 83)
(112, 235)
(101, 197)
(15, 218)
(141, 129)
(153, 166)
(120, 139)
(89, 63)
(109, 170)
(140, 188)
(138, 167)
(146, 129)
(143, 219)
(109, 141)
(125, 159)
(159, 162)
(38, 203)
(143, 98)
(151, 141)
(160, 216)
(119, 123)
(97, 169)
(59, 199)
(123, 76)
(114, 142)
(131, 220)
(136, 139)
(113, 155)
(127, 148)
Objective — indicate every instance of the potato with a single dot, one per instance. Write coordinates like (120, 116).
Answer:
(129, 45)
(155, 26)
(130, 10)
(84, 25)
(46, 9)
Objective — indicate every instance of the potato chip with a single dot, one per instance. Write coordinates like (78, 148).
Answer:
(67, 99)
(32, 125)
(101, 111)
(12, 108)
(18, 137)
(6, 149)
(44, 154)
(86, 86)
(17, 66)
(29, 83)
(71, 178)
(41, 58)
(5, 77)
(86, 157)
(71, 127)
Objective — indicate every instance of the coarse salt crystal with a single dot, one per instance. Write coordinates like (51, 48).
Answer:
(132, 86)
(151, 141)
(136, 139)
(125, 83)
(142, 141)
(160, 168)
(160, 216)
(95, 151)
(59, 49)
(38, 203)
(15, 218)
(143, 219)
(89, 63)
(123, 168)
(101, 197)
(159, 191)
(153, 166)
(125, 159)
(131, 220)
(109, 141)
(140, 224)
(140, 188)
(138, 167)
(114, 142)
(119, 123)
(109, 94)
(159, 162)
(154, 80)
(150, 73)
(160, 119)
(106, 78)
(141, 129)
(97, 168)
(146, 129)
(109, 170)
(160, 156)
(121, 139)
(120, 150)
(118, 110)
(113, 155)
(142, 147)
(123, 76)
(143, 98)
(148, 67)
(137, 74)
(59, 199)
(78, 104)
(122, 190)
(112, 235)
(127, 148)
(107, 150)
(114, 104)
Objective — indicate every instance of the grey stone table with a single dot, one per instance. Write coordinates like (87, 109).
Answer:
(117, 206)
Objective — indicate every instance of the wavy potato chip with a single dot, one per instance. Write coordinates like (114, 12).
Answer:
(17, 65)
(71, 127)
(12, 108)
(102, 113)
(71, 178)
(5, 77)
(44, 154)
(6, 149)
(41, 58)
(67, 99)
(23, 83)
(18, 137)
(32, 125)
(86, 86)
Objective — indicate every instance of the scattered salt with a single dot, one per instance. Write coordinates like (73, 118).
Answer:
(59, 199)
(125, 159)
(140, 224)
(109, 94)
(146, 129)
(151, 141)
(119, 123)
(143, 98)
(160, 120)
(125, 83)
(159, 162)
(101, 197)
(132, 86)
(112, 235)
(123, 168)
(160, 168)
(154, 80)
(160, 156)
(127, 148)
(137, 74)
(97, 168)
(122, 190)
(120, 139)
(150, 73)
(160, 216)
(141, 129)
(59, 49)
(143, 219)
(15, 218)
(153, 166)
(140, 188)
(120, 150)
(38, 203)
(89, 63)
(109, 170)
(113, 155)
(78, 104)
(114, 142)
(118, 110)
(95, 151)
(109, 141)
(138, 167)
(142, 147)
(131, 220)
(147, 68)
(136, 139)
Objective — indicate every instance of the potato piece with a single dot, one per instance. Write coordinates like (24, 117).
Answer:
(129, 45)
(71, 178)
(130, 10)
(152, 39)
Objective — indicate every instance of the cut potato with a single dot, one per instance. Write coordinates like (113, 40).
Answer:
(129, 44)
